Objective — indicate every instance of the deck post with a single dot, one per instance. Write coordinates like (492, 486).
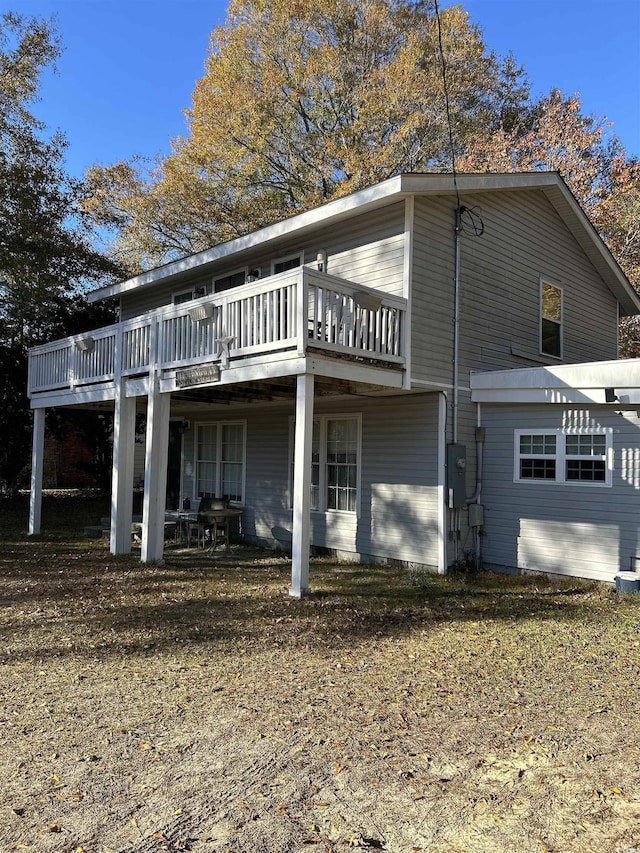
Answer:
(124, 436)
(155, 473)
(302, 487)
(37, 465)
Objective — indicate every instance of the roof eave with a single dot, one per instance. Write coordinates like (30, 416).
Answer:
(397, 187)
(367, 198)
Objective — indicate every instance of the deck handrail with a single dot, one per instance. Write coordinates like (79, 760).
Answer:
(298, 309)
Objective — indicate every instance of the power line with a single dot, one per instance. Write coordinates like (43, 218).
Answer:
(445, 87)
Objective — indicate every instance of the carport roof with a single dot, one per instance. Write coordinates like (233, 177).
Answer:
(583, 383)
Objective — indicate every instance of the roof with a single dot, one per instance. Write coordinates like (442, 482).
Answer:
(566, 383)
(394, 189)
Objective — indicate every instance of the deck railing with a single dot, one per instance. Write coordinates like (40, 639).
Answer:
(295, 310)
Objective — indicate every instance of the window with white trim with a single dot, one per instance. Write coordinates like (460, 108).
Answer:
(550, 319)
(220, 460)
(182, 296)
(233, 279)
(582, 456)
(335, 463)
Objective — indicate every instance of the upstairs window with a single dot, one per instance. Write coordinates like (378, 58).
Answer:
(226, 282)
(550, 320)
(183, 296)
(560, 456)
(284, 264)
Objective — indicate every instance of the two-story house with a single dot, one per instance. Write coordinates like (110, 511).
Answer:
(316, 373)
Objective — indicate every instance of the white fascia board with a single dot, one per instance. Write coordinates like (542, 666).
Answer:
(619, 373)
(581, 227)
(284, 364)
(567, 383)
(351, 372)
(77, 397)
(431, 183)
(554, 396)
(369, 197)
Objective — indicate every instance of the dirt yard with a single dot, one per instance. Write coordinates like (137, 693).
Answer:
(196, 707)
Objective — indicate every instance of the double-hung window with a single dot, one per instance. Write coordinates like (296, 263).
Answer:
(335, 463)
(582, 456)
(220, 460)
(550, 319)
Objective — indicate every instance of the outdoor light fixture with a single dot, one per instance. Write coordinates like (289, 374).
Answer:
(610, 395)
(321, 260)
(183, 427)
(85, 344)
(253, 275)
(200, 291)
(201, 312)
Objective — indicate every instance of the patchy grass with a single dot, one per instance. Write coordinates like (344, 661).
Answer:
(196, 707)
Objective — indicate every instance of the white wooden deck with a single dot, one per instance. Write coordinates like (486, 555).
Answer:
(299, 311)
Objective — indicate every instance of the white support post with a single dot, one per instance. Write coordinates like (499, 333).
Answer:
(155, 473)
(124, 437)
(302, 487)
(37, 464)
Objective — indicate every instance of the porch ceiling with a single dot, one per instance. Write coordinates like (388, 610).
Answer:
(268, 391)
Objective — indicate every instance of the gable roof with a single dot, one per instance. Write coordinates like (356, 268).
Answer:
(394, 189)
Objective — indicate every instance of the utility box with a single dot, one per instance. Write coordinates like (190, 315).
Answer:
(457, 475)
(476, 515)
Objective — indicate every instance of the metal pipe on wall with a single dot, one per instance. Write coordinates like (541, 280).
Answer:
(456, 323)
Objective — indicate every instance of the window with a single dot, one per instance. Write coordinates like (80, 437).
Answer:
(220, 455)
(335, 463)
(550, 319)
(226, 282)
(537, 457)
(183, 296)
(284, 264)
(560, 456)
(342, 464)
(586, 458)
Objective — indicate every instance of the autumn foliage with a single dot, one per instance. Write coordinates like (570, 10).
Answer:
(305, 101)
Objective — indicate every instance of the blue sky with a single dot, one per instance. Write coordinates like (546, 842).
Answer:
(129, 66)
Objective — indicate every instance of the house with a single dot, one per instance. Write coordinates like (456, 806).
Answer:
(561, 483)
(316, 373)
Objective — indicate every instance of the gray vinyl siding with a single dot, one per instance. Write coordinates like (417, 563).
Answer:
(368, 249)
(577, 530)
(398, 515)
(432, 290)
(524, 239)
(137, 302)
